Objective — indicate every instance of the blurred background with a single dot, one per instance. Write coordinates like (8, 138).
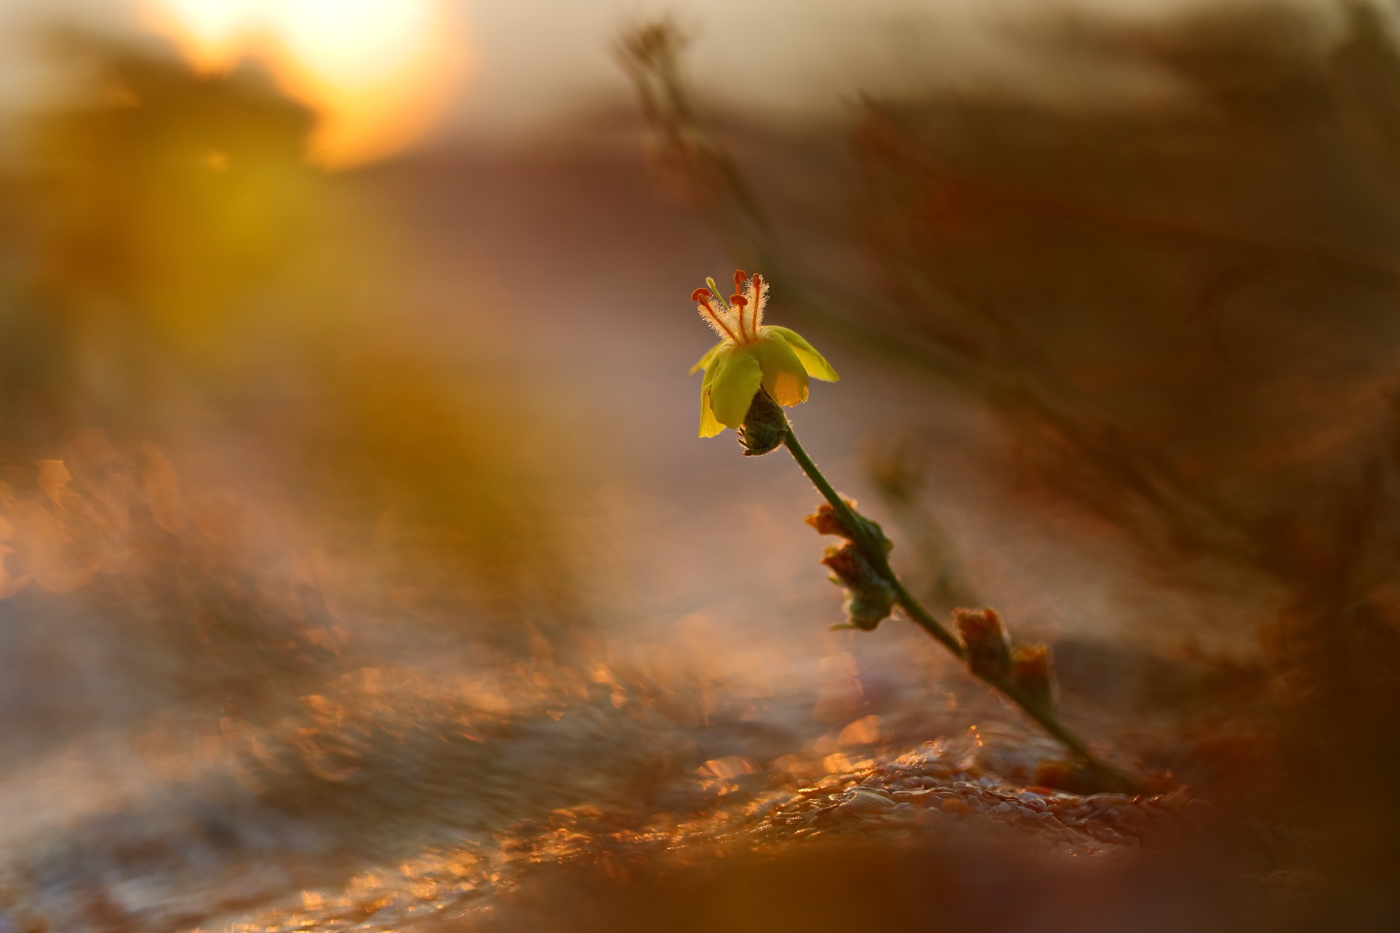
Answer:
(350, 498)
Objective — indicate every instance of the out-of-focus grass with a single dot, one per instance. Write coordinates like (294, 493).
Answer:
(219, 438)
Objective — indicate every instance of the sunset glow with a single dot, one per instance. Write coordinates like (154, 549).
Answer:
(377, 74)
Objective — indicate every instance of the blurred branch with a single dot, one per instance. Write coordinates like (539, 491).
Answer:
(684, 153)
(897, 472)
(689, 159)
(943, 329)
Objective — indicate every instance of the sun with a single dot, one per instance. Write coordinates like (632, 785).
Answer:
(378, 74)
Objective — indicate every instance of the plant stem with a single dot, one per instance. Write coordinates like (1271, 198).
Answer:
(872, 545)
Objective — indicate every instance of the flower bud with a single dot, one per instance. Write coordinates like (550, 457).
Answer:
(869, 596)
(827, 522)
(1032, 675)
(764, 426)
(867, 607)
(985, 641)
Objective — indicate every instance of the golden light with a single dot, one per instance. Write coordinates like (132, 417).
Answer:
(377, 73)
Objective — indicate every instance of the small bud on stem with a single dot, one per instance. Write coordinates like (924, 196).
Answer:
(869, 596)
(1032, 674)
(985, 642)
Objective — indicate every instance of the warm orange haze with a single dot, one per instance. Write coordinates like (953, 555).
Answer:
(361, 570)
(377, 74)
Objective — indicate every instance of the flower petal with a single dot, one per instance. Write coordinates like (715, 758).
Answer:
(737, 376)
(813, 362)
(709, 425)
(783, 376)
(713, 360)
(709, 355)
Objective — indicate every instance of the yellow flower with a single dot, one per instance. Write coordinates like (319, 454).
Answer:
(750, 354)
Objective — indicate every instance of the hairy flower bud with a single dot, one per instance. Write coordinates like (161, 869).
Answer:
(866, 608)
(985, 641)
(869, 596)
(764, 426)
(827, 522)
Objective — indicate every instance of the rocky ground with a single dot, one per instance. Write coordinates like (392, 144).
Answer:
(393, 801)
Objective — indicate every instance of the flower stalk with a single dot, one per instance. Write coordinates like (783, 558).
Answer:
(754, 371)
(1025, 677)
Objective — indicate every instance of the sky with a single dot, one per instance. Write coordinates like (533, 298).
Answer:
(507, 68)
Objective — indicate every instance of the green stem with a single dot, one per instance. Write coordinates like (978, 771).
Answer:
(873, 547)
(923, 618)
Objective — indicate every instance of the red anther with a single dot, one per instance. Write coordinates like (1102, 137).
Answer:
(701, 295)
(740, 277)
(738, 301)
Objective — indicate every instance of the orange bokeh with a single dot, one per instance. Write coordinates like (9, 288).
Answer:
(378, 75)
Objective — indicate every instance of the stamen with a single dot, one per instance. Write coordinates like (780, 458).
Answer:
(757, 285)
(712, 316)
(738, 302)
(740, 278)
